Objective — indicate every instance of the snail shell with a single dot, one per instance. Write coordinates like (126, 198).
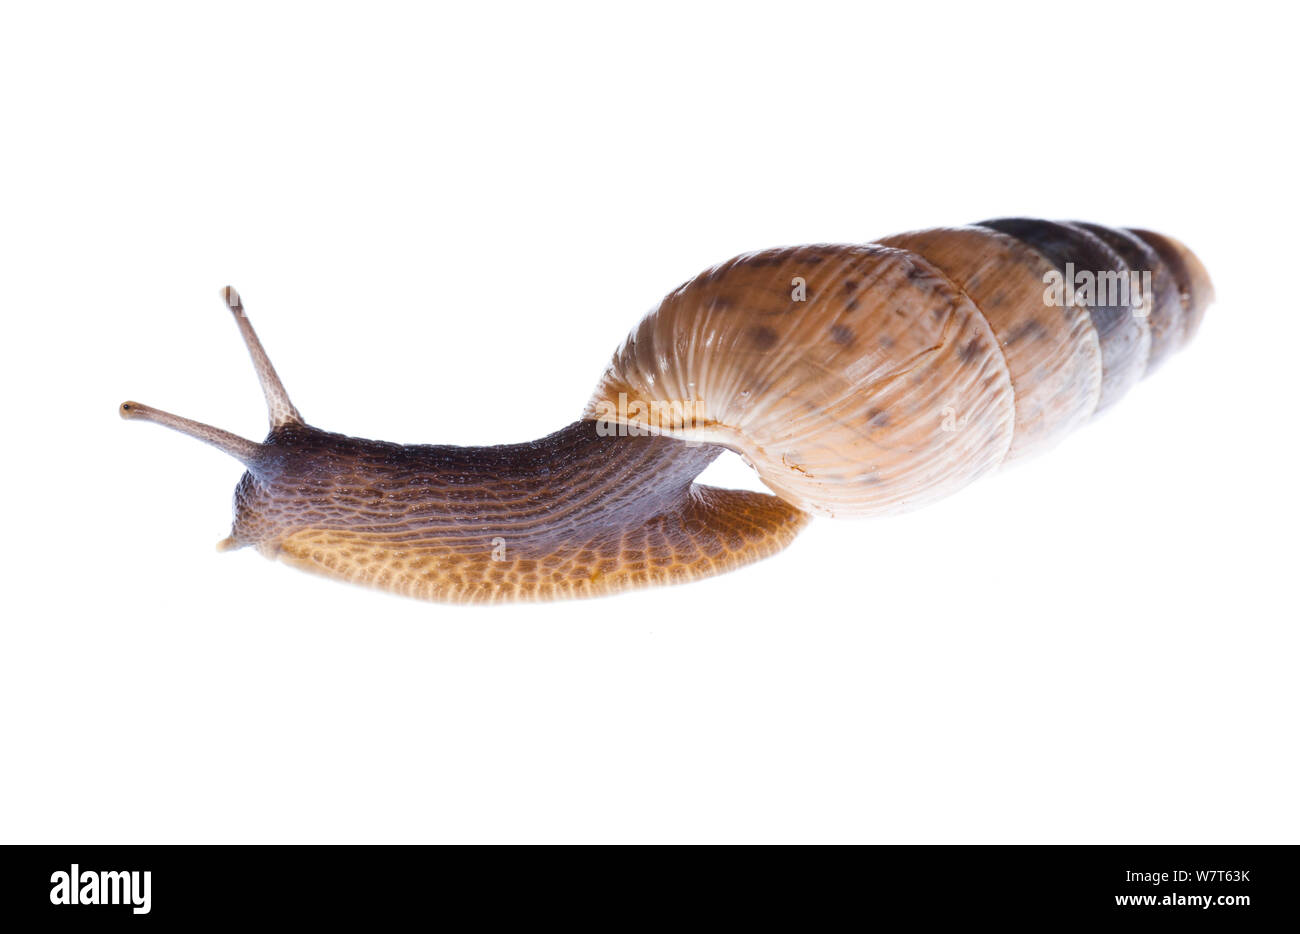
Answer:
(864, 380)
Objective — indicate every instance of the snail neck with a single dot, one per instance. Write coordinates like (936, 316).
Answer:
(565, 486)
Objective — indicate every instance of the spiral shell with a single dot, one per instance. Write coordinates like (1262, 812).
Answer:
(862, 380)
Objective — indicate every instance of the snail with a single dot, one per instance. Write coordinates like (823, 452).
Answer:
(857, 380)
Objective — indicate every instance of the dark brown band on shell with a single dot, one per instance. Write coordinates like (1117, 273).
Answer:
(1125, 338)
(1165, 317)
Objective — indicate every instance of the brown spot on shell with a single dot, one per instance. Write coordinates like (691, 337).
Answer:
(841, 335)
(918, 273)
(1030, 328)
(762, 337)
(972, 351)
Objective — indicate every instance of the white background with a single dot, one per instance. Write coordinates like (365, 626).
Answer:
(443, 220)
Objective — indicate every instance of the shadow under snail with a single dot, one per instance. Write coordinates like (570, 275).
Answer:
(857, 380)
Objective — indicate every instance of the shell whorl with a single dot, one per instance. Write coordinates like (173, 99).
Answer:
(862, 380)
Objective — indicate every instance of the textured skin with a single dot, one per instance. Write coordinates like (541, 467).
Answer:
(914, 366)
(570, 515)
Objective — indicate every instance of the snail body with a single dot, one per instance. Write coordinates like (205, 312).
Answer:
(857, 380)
